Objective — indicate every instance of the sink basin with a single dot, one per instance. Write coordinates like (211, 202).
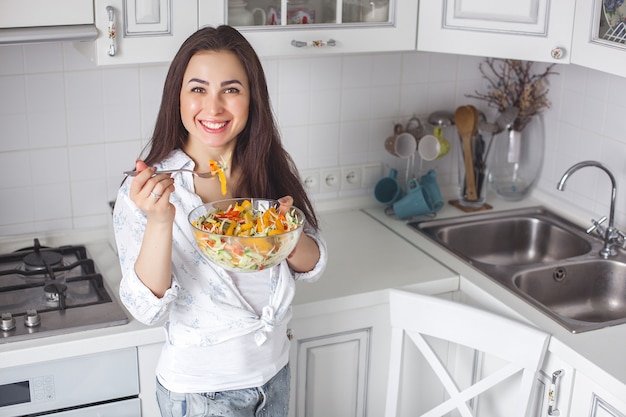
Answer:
(549, 262)
(591, 291)
(517, 237)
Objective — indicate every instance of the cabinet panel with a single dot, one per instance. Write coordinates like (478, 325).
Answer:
(329, 365)
(536, 30)
(597, 43)
(593, 400)
(141, 31)
(339, 363)
(392, 28)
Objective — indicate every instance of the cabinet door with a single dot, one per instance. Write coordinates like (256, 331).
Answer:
(599, 40)
(147, 358)
(142, 31)
(532, 30)
(317, 26)
(554, 388)
(591, 399)
(339, 363)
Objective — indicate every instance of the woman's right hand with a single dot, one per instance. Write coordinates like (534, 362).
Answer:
(151, 193)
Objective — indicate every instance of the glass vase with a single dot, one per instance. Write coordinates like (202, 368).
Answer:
(516, 160)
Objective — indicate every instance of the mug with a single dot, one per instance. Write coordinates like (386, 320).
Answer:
(401, 144)
(432, 191)
(388, 189)
(413, 203)
(434, 146)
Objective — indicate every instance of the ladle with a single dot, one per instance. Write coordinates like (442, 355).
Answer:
(465, 118)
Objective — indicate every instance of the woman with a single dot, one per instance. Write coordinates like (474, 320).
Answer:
(226, 349)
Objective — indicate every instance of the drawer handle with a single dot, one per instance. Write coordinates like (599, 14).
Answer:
(111, 29)
(316, 44)
(552, 410)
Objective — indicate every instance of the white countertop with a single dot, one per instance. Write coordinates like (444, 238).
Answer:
(364, 260)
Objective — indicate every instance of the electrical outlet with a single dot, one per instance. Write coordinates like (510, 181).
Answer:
(311, 181)
(330, 179)
(370, 174)
(351, 177)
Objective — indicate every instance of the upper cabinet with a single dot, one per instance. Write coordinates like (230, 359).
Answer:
(599, 40)
(305, 27)
(140, 31)
(532, 30)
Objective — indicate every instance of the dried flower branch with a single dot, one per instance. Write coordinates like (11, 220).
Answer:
(512, 84)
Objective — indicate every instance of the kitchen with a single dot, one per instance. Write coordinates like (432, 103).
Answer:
(70, 128)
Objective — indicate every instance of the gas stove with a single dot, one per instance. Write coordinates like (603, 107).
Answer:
(46, 291)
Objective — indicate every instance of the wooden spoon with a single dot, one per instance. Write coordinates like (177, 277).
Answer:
(465, 118)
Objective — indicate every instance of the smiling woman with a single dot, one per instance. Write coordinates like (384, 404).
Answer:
(226, 350)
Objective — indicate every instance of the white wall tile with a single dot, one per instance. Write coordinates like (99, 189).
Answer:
(15, 165)
(12, 61)
(41, 57)
(45, 92)
(49, 166)
(52, 202)
(13, 132)
(47, 128)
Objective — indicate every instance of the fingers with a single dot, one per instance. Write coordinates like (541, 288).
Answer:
(148, 189)
(285, 204)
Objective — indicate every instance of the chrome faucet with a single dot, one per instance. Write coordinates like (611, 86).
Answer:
(612, 236)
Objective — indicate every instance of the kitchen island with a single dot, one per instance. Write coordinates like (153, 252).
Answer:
(369, 253)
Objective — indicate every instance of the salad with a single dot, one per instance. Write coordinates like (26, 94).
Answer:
(241, 237)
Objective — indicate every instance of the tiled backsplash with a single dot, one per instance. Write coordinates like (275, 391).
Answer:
(68, 128)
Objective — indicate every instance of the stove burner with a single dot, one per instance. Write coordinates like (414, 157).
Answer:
(38, 261)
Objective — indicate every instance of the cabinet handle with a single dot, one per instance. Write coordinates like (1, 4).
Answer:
(552, 410)
(317, 44)
(557, 53)
(111, 16)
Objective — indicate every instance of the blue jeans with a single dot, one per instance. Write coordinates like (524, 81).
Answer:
(269, 400)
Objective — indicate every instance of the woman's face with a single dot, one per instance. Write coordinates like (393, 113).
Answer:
(214, 101)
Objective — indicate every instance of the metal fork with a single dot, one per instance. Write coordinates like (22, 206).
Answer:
(170, 171)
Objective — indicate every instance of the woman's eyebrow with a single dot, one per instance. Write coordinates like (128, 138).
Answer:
(223, 83)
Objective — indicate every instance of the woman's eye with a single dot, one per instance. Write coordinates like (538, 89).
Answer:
(231, 90)
(197, 89)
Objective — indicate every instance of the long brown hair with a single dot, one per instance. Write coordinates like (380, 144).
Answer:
(267, 170)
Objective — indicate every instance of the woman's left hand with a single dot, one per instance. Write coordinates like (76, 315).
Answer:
(305, 255)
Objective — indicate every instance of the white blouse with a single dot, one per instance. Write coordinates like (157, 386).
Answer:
(225, 330)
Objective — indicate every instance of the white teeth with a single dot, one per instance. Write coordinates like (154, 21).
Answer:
(213, 125)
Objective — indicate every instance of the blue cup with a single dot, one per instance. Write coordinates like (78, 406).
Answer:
(413, 203)
(388, 189)
(432, 191)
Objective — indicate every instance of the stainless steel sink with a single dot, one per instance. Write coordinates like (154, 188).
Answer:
(518, 237)
(543, 258)
(591, 291)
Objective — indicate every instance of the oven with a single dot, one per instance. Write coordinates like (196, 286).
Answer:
(104, 384)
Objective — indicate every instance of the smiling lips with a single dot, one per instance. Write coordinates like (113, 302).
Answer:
(214, 125)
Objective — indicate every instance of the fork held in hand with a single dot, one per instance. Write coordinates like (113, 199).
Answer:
(171, 171)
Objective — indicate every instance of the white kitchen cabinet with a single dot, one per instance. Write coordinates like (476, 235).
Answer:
(145, 31)
(339, 26)
(591, 399)
(554, 389)
(598, 42)
(32, 13)
(147, 358)
(339, 363)
(532, 30)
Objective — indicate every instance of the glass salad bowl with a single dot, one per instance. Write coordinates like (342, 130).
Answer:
(246, 234)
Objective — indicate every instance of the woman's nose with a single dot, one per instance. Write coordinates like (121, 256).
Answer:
(214, 104)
